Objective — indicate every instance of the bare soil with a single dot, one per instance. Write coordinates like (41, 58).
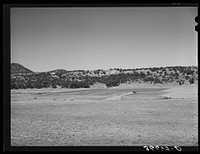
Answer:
(154, 115)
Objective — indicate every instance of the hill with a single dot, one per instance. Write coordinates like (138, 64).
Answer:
(22, 77)
(19, 69)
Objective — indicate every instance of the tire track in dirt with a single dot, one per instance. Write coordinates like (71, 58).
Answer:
(118, 97)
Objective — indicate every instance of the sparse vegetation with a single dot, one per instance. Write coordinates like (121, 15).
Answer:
(157, 80)
(148, 79)
(166, 97)
(191, 81)
(22, 78)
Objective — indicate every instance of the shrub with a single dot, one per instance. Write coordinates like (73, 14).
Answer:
(148, 73)
(166, 97)
(156, 80)
(54, 86)
(189, 72)
(187, 77)
(112, 83)
(181, 82)
(191, 81)
(146, 79)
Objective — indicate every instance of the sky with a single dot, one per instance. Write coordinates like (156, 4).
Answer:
(44, 39)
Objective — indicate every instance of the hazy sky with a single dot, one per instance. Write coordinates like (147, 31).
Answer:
(44, 39)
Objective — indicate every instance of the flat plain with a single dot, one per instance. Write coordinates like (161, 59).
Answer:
(154, 115)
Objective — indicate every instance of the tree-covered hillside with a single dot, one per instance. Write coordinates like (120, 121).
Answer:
(22, 77)
(19, 69)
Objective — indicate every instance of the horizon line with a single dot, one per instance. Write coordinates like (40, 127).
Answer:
(106, 69)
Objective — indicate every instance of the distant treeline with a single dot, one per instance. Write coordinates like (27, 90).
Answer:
(153, 75)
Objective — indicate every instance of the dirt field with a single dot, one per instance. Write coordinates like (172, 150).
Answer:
(154, 115)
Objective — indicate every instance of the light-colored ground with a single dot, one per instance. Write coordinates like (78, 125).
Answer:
(155, 115)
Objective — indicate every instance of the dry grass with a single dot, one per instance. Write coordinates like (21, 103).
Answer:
(114, 116)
